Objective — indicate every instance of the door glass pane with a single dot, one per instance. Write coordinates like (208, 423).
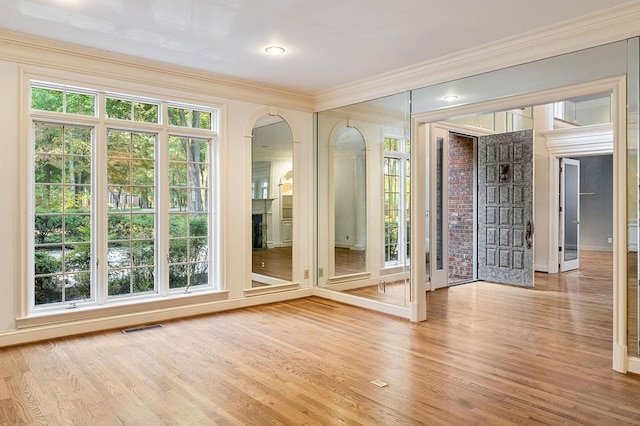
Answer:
(571, 212)
(439, 202)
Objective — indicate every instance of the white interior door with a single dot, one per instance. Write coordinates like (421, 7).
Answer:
(439, 200)
(569, 214)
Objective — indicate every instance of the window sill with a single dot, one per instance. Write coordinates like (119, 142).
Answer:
(124, 307)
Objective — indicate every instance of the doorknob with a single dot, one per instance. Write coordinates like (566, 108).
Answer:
(529, 234)
(577, 222)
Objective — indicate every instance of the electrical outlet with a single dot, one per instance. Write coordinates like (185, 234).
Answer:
(263, 264)
(320, 272)
(610, 240)
(382, 287)
(306, 274)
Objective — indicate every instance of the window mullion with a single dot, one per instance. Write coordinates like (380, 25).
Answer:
(402, 220)
(162, 206)
(99, 236)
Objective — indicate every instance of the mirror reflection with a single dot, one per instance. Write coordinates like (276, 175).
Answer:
(349, 182)
(363, 199)
(271, 201)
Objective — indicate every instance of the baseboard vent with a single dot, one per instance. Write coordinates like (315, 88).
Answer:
(141, 328)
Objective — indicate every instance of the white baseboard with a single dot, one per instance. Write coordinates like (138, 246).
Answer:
(620, 363)
(633, 365)
(363, 302)
(541, 268)
(596, 248)
(51, 331)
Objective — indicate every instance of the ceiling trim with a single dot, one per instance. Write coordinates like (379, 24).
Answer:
(591, 30)
(43, 52)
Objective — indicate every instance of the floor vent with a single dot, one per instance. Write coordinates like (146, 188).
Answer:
(141, 328)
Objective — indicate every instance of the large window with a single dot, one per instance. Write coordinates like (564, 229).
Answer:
(121, 197)
(397, 191)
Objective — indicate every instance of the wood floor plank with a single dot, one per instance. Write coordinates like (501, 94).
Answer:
(488, 354)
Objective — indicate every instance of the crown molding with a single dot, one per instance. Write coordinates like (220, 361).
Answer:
(38, 51)
(591, 30)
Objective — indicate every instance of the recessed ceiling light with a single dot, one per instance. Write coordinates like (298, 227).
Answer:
(451, 98)
(275, 50)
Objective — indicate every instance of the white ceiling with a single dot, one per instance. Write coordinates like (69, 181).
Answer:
(328, 42)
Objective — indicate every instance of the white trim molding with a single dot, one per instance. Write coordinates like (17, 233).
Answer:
(633, 365)
(128, 319)
(72, 58)
(618, 23)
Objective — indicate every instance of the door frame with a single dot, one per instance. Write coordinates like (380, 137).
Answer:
(594, 140)
(436, 130)
(568, 265)
(615, 85)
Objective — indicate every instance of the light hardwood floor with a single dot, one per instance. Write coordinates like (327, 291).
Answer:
(488, 354)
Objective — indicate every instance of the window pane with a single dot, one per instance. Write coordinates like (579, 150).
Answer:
(119, 255)
(48, 138)
(143, 172)
(117, 108)
(80, 103)
(48, 168)
(178, 199)
(143, 226)
(77, 228)
(78, 170)
(47, 99)
(119, 282)
(118, 172)
(146, 113)
(200, 274)
(48, 260)
(77, 141)
(119, 226)
(77, 258)
(143, 280)
(198, 225)
(48, 289)
(77, 286)
(143, 145)
(48, 229)
(178, 276)
(177, 225)
(198, 249)
(143, 253)
(119, 144)
(178, 174)
(178, 250)
(189, 118)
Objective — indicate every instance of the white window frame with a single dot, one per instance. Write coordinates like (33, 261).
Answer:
(100, 126)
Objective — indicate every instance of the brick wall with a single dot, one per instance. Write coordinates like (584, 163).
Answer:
(460, 208)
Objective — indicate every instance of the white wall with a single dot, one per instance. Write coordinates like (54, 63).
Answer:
(543, 120)
(10, 259)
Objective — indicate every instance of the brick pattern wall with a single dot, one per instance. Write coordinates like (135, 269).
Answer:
(460, 208)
